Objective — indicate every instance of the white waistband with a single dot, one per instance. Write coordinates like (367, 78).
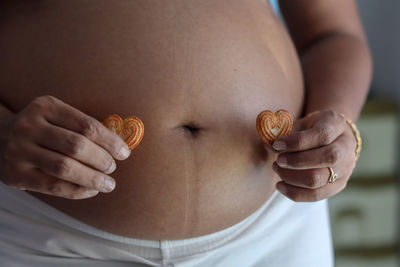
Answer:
(37, 215)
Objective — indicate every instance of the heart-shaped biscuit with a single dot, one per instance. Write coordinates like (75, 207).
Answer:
(271, 125)
(131, 129)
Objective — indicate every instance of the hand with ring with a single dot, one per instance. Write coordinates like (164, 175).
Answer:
(317, 158)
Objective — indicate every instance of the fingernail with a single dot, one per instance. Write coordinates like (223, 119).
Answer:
(125, 152)
(109, 185)
(279, 145)
(112, 168)
(282, 161)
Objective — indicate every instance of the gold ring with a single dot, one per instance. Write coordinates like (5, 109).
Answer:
(333, 175)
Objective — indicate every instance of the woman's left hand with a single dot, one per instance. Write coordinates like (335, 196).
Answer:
(316, 142)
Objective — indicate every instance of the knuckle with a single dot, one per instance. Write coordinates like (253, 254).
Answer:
(75, 144)
(54, 188)
(330, 113)
(324, 135)
(89, 128)
(314, 195)
(293, 195)
(48, 99)
(295, 161)
(313, 180)
(299, 141)
(333, 154)
(21, 127)
(338, 118)
(98, 182)
(108, 161)
(38, 103)
(62, 166)
(43, 101)
(64, 189)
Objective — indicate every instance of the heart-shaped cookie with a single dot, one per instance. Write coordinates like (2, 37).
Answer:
(271, 125)
(131, 129)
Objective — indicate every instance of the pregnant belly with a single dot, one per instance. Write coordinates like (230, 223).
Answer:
(197, 73)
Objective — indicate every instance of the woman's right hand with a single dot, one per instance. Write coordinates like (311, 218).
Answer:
(53, 148)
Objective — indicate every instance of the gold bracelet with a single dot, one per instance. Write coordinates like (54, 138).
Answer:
(354, 129)
(356, 134)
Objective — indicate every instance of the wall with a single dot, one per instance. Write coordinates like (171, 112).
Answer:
(381, 22)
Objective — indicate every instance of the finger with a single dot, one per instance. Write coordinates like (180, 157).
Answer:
(316, 158)
(279, 144)
(323, 132)
(299, 194)
(68, 169)
(66, 116)
(299, 124)
(310, 178)
(38, 181)
(76, 146)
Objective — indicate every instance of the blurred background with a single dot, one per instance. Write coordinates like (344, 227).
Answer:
(365, 216)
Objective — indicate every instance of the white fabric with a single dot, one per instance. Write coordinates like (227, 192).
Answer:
(281, 233)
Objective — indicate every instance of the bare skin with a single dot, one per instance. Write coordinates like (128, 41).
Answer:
(203, 68)
(196, 74)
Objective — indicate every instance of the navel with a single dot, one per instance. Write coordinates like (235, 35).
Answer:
(190, 128)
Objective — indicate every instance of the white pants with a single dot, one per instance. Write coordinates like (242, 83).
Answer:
(281, 233)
